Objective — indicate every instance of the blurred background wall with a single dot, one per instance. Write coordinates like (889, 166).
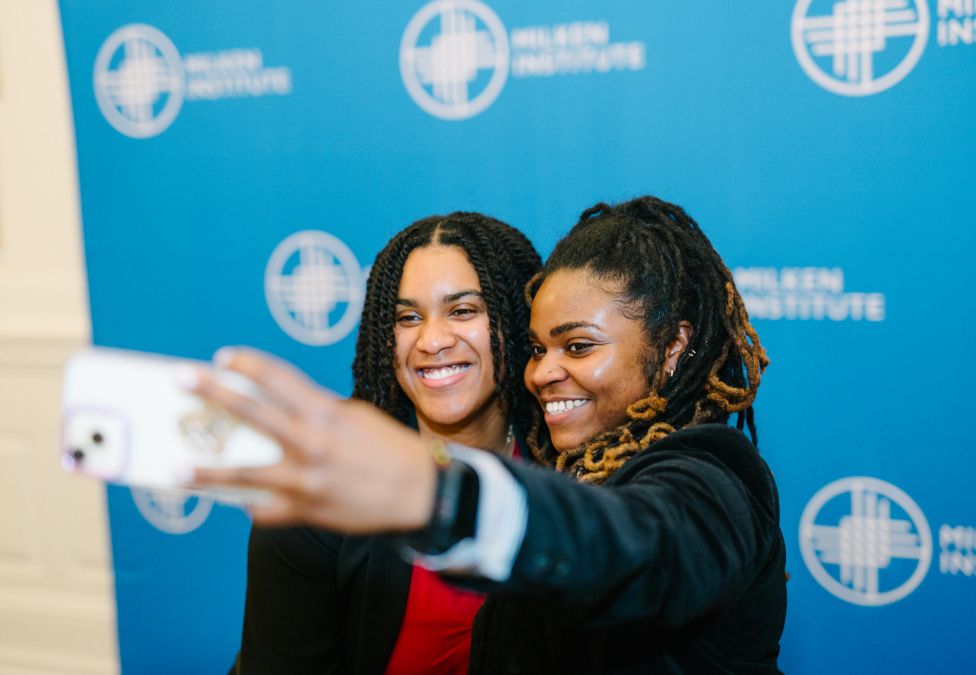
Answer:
(56, 609)
(826, 146)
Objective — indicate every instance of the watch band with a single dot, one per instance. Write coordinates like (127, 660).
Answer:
(455, 513)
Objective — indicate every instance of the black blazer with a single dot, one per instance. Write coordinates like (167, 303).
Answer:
(675, 565)
(319, 602)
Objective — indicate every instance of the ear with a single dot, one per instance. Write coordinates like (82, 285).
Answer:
(676, 348)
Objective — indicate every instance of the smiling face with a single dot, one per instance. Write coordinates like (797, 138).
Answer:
(443, 346)
(588, 359)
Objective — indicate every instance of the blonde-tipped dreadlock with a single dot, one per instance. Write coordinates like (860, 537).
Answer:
(668, 272)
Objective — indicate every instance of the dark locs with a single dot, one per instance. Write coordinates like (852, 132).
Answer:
(668, 272)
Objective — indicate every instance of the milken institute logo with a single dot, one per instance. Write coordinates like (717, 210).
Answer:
(311, 276)
(139, 81)
(454, 58)
(865, 541)
(172, 511)
(859, 47)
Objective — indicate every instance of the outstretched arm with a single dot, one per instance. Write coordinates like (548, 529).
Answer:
(346, 466)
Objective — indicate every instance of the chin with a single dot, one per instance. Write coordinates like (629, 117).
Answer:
(570, 440)
(446, 417)
(565, 444)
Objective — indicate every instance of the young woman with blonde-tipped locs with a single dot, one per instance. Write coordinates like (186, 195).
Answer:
(654, 547)
(668, 269)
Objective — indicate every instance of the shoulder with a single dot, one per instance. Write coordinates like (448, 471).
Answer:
(303, 549)
(705, 441)
(326, 556)
(309, 551)
(719, 438)
(718, 445)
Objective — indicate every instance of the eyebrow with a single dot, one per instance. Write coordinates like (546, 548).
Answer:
(571, 325)
(447, 299)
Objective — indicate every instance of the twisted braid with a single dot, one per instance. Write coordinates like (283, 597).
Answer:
(374, 379)
(504, 260)
(669, 272)
(526, 415)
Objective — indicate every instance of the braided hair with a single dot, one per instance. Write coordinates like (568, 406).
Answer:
(668, 272)
(504, 260)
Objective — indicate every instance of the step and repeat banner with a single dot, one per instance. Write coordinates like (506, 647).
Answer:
(242, 162)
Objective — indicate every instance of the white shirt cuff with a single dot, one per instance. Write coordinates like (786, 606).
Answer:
(500, 525)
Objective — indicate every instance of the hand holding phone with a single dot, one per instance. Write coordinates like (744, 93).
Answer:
(126, 419)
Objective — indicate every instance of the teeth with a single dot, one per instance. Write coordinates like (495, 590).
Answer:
(441, 373)
(556, 407)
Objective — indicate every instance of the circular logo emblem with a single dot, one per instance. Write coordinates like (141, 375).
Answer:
(172, 511)
(138, 81)
(865, 541)
(454, 58)
(859, 47)
(313, 285)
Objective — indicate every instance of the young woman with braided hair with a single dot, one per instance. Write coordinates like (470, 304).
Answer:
(443, 319)
(660, 551)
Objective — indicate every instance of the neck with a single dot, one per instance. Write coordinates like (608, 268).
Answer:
(489, 431)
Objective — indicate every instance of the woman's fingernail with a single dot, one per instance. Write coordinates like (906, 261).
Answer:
(187, 377)
(223, 356)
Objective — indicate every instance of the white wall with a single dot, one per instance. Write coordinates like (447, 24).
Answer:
(56, 605)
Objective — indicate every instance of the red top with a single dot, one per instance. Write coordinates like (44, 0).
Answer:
(436, 633)
(435, 636)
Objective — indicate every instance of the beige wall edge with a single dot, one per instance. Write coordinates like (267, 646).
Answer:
(57, 611)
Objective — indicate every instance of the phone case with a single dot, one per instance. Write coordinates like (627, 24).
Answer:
(126, 419)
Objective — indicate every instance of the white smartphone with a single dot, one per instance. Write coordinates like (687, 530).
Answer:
(126, 419)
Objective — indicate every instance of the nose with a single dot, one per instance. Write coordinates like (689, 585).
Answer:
(547, 370)
(436, 336)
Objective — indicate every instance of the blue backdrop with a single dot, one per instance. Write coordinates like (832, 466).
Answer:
(828, 149)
